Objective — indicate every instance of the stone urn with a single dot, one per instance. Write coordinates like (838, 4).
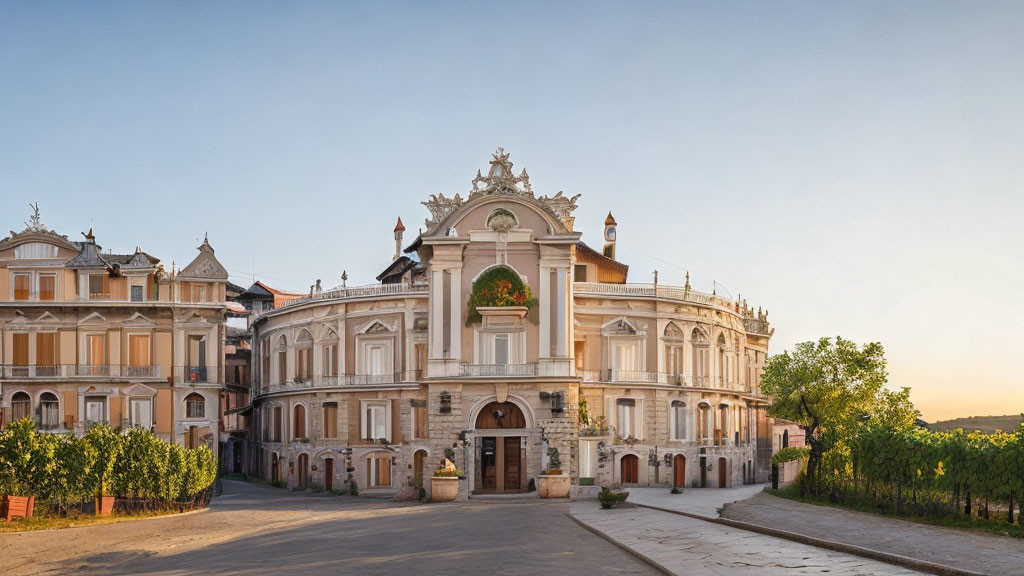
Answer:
(444, 489)
(553, 485)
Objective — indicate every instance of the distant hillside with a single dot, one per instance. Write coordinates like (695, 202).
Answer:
(987, 424)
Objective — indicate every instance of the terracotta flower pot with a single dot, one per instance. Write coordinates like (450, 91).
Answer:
(104, 505)
(553, 486)
(444, 489)
(18, 506)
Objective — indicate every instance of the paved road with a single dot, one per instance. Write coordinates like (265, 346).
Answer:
(259, 530)
(966, 550)
(692, 547)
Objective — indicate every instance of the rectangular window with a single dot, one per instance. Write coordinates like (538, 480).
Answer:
(95, 409)
(20, 343)
(330, 359)
(98, 287)
(626, 357)
(137, 293)
(282, 367)
(47, 287)
(199, 293)
(375, 360)
(579, 273)
(378, 470)
(46, 354)
(501, 349)
(141, 413)
(625, 415)
(304, 363)
(375, 421)
(21, 286)
(138, 350)
(419, 418)
(49, 412)
(330, 420)
(96, 352)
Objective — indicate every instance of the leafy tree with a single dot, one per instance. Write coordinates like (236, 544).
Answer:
(827, 388)
(101, 446)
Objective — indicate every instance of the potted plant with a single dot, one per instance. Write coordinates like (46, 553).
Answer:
(498, 287)
(553, 483)
(23, 468)
(610, 497)
(444, 485)
(102, 447)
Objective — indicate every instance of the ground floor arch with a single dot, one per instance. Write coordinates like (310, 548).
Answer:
(679, 470)
(629, 469)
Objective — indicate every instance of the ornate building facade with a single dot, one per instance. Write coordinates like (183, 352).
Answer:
(496, 335)
(88, 336)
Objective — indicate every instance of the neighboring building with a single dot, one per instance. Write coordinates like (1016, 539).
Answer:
(88, 336)
(234, 401)
(786, 434)
(391, 378)
(260, 298)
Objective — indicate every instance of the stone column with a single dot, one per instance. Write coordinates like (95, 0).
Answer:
(544, 338)
(455, 311)
(561, 328)
(436, 314)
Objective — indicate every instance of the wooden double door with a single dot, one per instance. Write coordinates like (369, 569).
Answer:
(501, 464)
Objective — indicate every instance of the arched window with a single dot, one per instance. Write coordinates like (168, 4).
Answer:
(265, 362)
(700, 358)
(49, 411)
(282, 359)
(329, 354)
(724, 424)
(303, 357)
(195, 406)
(673, 353)
(21, 406)
(298, 422)
(722, 366)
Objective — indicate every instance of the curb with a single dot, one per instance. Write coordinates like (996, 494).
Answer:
(887, 557)
(645, 559)
(127, 519)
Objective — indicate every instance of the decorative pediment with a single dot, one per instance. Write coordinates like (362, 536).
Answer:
(138, 320)
(621, 326)
(190, 317)
(139, 390)
(47, 318)
(94, 318)
(377, 327)
(672, 332)
(205, 266)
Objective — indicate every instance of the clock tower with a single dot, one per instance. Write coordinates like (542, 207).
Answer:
(609, 236)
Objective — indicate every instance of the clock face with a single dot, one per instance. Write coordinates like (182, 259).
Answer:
(609, 234)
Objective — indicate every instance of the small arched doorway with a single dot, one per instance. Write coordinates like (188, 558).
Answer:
(679, 470)
(328, 474)
(303, 470)
(275, 468)
(785, 438)
(499, 454)
(723, 464)
(418, 460)
(629, 469)
(744, 472)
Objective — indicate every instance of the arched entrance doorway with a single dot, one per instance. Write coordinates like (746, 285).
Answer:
(500, 453)
(418, 460)
(679, 470)
(303, 470)
(723, 464)
(630, 469)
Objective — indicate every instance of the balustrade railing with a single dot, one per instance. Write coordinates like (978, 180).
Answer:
(484, 370)
(195, 374)
(319, 381)
(15, 371)
(650, 290)
(359, 292)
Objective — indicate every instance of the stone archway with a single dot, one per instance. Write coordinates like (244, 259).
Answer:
(500, 448)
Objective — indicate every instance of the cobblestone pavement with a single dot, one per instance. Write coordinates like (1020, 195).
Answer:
(697, 548)
(965, 550)
(260, 530)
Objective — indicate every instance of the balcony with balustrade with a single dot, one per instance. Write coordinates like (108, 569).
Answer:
(79, 371)
(498, 370)
(345, 380)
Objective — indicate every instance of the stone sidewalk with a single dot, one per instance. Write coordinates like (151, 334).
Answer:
(683, 545)
(964, 550)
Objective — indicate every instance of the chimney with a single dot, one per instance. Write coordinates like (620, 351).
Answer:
(399, 228)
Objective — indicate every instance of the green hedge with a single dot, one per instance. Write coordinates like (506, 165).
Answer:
(64, 470)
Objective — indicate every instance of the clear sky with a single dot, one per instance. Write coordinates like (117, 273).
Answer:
(855, 167)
